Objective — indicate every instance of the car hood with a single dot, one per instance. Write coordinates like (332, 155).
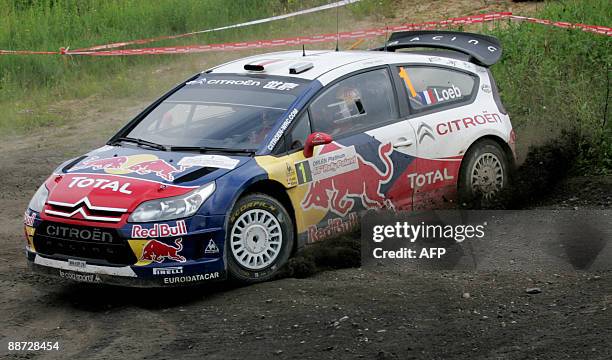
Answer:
(108, 183)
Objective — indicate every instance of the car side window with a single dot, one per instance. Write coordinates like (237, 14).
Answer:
(296, 138)
(432, 87)
(358, 102)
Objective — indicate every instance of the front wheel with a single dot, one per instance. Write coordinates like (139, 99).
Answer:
(260, 238)
(484, 172)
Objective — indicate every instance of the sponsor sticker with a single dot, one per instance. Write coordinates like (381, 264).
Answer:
(68, 232)
(191, 278)
(280, 85)
(204, 81)
(170, 270)
(142, 164)
(282, 129)
(159, 230)
(428, 178)
(447, 127)
(89, 278)
(334, 227)
(269, 85)
(215, 161)
(292, 179)
(326, 165)
(102, 184)
(339, 192)
(29, 219)
(211, 248)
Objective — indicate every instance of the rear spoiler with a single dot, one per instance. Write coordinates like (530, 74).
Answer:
(482, 49)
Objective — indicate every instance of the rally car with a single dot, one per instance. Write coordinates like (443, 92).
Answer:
(233, 170)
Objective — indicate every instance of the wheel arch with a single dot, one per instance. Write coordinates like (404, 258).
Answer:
(503, 144)
(496, 139)
(276, 190)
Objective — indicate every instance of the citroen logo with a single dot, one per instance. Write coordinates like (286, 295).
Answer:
(80, 205)
(423, 131)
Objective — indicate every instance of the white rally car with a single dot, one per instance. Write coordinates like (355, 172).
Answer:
(232, 170)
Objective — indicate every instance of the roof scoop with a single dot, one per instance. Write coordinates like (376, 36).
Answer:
(260, 65)
(300, 67)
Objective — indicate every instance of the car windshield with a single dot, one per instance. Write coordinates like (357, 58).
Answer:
(219, 111)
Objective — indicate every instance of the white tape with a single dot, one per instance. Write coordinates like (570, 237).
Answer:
(284, 16)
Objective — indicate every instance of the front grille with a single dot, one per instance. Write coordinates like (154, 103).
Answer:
(86, 213)
(101, 246)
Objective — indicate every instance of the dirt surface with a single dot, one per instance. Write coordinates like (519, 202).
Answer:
(381, 313)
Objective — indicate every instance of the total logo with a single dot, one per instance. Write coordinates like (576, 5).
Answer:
(113, 185)
(159, 230)
(428, 178)
(141, 164)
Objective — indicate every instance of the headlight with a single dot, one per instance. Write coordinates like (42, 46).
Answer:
(173, 207)
(39, 199)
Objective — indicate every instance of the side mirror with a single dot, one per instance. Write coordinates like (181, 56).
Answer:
(314, 139)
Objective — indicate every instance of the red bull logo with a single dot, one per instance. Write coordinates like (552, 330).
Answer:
(336, 193)
(158, 251)
(158, 167)
(96, 163)
(159, 230)
(140, 164)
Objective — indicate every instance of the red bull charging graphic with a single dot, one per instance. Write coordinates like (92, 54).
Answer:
(139, 164)
(336, 193)
(158, 251)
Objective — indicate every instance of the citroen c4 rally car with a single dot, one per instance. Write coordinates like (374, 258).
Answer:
(234, 169)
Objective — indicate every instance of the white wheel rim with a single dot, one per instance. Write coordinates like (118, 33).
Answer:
(487, 175)
(256, 239)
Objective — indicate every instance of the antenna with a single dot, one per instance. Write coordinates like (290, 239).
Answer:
(337, 28)
(386, 35)
(303, 50)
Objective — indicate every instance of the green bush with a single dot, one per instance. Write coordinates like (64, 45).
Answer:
(554, 79)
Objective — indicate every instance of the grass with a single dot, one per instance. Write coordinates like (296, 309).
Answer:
(550, 79)
(553, 80)
(30, 84)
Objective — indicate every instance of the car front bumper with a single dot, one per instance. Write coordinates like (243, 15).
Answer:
(195, 255)
(163, 276)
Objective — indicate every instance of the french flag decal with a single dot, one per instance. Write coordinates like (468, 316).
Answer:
(427, 97)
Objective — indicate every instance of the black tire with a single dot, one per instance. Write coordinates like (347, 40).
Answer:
(467, 194)
(261, 204)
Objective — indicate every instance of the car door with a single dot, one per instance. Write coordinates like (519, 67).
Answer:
(357, 170)
(440, 99)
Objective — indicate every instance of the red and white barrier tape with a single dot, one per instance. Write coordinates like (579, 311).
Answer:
(603, 30)
(314, 39)
(295, 41)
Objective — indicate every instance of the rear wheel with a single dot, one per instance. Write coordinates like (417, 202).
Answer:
(260, 238)
(484, 172)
